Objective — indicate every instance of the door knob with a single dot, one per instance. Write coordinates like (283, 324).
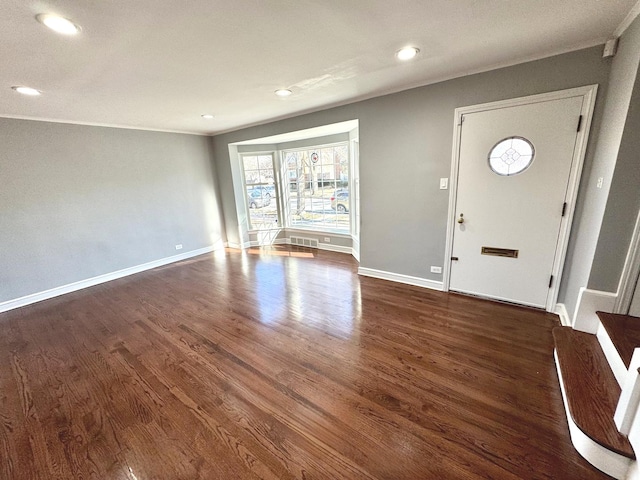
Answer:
(461, 218)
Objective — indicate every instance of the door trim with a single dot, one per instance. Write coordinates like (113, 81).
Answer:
(588, 93)
(630, 273)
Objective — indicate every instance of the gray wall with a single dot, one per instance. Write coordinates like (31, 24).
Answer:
(623, 202)
(405, 147)
(79, 201)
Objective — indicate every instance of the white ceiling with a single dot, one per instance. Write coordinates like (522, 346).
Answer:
(160, 64)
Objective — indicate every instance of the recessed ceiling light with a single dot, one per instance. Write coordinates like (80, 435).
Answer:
(407, 53)
(26, 90)
(283, 92)
(58, 24)
(208, 116)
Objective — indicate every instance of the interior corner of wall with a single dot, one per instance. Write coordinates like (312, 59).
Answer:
(585, 318)
(561, 310)
(219, 244)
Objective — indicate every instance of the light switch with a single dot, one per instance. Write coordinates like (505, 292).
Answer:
(444, 183)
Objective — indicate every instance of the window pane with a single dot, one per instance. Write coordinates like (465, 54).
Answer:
(318, 192)
(252, 176)
(250, 163)
(511, 156)
(265, 162)
(260, 188)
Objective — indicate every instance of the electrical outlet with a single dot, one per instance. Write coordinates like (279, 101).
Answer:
(327, 239)
(179, 246)
(600, 182)
(444, 183)
(436, 269)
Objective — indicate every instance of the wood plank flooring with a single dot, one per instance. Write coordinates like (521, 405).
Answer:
(279, 364)
(591, 388)
(624, 332)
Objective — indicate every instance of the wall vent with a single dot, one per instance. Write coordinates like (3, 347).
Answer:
(304, 242)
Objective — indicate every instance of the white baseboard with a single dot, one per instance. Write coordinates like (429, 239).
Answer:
(335, 248)
(400, 278)
(561, 310)
(589, 302)
(256, 243)
(285, 241)
(237, 246)
(107, 277)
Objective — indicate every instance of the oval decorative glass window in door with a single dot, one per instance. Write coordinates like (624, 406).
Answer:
(511, 156)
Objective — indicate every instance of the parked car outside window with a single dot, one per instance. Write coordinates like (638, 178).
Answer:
(265, 190)
(255, 199)
(340, 200)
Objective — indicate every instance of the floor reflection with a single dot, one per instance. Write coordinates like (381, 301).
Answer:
(279, 253)
(281, 283)
(270, 286)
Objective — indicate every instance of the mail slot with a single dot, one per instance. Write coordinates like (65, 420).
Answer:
(500, 252)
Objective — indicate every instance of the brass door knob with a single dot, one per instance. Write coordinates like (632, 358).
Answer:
(461, 218)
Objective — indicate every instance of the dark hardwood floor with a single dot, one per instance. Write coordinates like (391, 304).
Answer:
(279, 364)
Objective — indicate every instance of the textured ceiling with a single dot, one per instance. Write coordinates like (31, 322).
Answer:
(160, 64)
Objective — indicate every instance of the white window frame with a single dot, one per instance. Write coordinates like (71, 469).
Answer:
(285, 190)
(276, 178)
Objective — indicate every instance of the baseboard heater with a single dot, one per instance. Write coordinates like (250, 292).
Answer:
(304, 242)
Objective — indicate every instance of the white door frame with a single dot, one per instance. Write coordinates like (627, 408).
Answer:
(630, 273)
(588, 93)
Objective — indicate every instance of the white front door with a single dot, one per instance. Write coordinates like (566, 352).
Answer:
(514, 167)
